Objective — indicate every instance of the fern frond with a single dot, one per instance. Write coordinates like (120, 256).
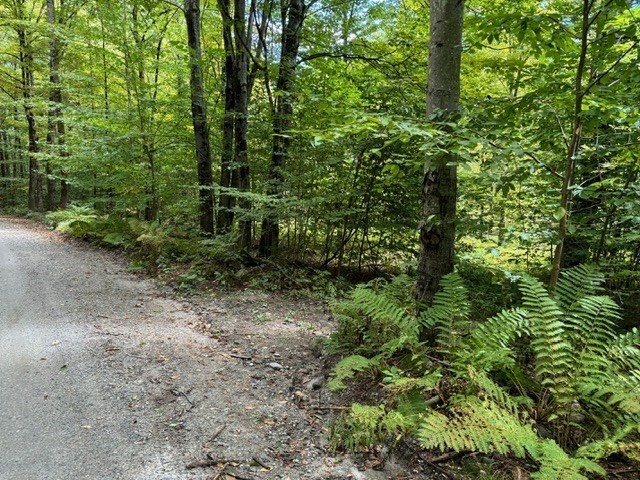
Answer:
(374, 321)
(400, 288)
(349, 367)
(625, 350)
(613, 402)
(358, 428)
(403, 385)
(553, 351)
(491, 391)
(379, 306)
(449, 312)
(555, 464)
(486, 427)
(613, 444)
(363, 426)
(592, 320)
(490, 345)
(576, 283)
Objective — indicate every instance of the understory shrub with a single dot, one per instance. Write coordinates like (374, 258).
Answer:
(550, 381)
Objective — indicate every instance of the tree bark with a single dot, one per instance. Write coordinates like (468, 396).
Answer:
(56, 126)
(26, 67)
(439, 190)
(240, 174)
(5, 173)
(226, 200)
(293, 14)
(199, 117)
(235, 172)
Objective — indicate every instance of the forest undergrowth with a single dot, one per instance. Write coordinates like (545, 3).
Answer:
(550, 381)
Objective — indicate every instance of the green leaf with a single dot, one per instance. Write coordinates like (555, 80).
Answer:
(559, 213)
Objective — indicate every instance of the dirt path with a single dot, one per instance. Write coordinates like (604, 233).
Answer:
(104, 377)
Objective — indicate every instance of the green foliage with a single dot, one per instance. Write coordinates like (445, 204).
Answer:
(555, 363)
(376, 319)
(347, 368)
(485, 426)
(449, 313)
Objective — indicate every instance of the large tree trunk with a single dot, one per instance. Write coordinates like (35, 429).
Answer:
(282, 118)
(199, 117)
(437, 225)
(235, 174)
(55, 123)
(240, 174)
(226, 200)
(26, 66)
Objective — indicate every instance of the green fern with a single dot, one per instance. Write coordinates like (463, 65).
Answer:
(363, 426)
(376, 319)
(549, 341)
(449, 312)
(485, 426)
(402, 385)
(576, 283)
(615, 443)
(491, 344)
(559, 350)
(347, 368)
(625, 350)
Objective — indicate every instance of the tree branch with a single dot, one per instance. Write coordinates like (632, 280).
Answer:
(595, 81)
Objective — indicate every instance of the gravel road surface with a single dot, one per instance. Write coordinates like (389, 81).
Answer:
(103, 376)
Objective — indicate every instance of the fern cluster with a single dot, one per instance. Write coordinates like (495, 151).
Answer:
(555, 362)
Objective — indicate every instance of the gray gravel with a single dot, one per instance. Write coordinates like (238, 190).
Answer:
(64, 408)
(102, 376)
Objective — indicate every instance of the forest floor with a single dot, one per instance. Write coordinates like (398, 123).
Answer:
(107, 375)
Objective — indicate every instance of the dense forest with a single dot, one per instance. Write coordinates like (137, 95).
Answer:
(406, 139)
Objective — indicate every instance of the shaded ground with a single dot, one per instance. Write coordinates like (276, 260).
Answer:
(105, 376)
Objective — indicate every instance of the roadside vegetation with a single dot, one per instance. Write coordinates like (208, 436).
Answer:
(459, 179)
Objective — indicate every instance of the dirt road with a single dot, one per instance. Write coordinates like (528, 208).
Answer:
(104, 377)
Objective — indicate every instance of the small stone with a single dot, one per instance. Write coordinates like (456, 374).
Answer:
(315, 383)
(275, 365)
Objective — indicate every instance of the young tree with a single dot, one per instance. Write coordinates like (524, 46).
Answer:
(57, 17)
(586, 79)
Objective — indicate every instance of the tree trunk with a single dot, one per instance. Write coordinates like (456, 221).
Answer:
(26, 66)
(4, 164)
(55, 122)
(572, 150)
(437, 225)
(240, 172)
(199, 117)
(282, 118)
(226, 200)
